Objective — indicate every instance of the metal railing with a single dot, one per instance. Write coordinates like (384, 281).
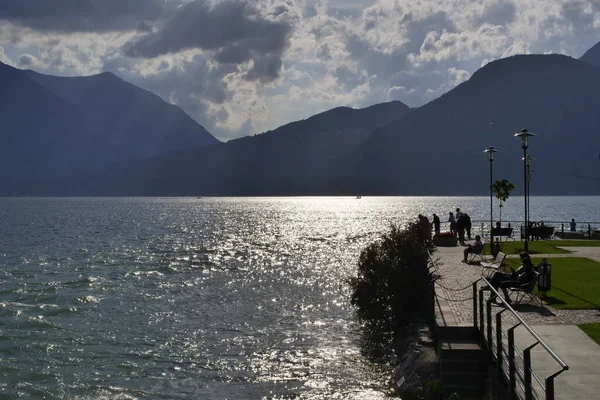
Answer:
(586, 229)
(514, 368)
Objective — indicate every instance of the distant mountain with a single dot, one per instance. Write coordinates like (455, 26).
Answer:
(290, 160)
(438, 148)
(592, 56)
(386, 149)
(63, 128)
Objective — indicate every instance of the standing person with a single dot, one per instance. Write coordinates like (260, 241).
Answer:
(458, 214)
(436, 223)
(460, 226)
(467, 225)
(573, 225)
(452, 221)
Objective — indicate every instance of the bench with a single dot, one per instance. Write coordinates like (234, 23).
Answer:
(539, 232)
(526, 290)
(502, 232)
(494, 265)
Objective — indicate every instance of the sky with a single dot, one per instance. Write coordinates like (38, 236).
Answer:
(242, 67)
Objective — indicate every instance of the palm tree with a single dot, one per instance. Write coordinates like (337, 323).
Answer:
(502, 191)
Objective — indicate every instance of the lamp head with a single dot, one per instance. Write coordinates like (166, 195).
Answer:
(524, 135)
(490, 152)
(528, 160)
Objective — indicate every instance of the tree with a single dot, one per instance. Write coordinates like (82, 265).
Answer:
(502, 191)
(392, 287)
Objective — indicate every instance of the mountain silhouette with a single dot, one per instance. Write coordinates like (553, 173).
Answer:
(58, 127)
(592, 56)
(438, 148)
(289, 160)
(386, 149)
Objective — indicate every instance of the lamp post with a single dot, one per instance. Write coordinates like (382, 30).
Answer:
(528, 161)
(490, 153)
(524, 135)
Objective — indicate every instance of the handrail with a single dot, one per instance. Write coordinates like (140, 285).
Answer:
(514, 377)
(526, 326)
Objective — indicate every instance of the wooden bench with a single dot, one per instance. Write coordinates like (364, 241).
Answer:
(502, 232)
(539, 232)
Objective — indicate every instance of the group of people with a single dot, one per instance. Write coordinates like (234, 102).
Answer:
(460, 223)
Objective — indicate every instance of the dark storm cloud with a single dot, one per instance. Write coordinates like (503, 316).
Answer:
(26, 61)
(194, 79)
(500, 13)
(84, 15)
(234, 30)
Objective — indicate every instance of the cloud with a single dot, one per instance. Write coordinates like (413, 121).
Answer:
(236, 31)
(83, 15)
(245, 66)
(4, 58)
(28, 61)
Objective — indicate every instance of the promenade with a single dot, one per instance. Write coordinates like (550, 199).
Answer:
(557, 327)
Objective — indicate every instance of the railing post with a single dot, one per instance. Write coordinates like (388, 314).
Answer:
(488, 310)
(527, 371)
(589, 231)
(481, 326)
(562, 230)
(550, 388)
(432, 289)
(550, 384)
(512, 369)
(499, 355)
(475, 304)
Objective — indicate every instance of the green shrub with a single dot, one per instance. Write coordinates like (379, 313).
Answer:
(392, 287)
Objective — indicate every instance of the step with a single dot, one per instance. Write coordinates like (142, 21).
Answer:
(457, 333)
(473, 365)
(467, 379)
(466, 393)
(460, 350)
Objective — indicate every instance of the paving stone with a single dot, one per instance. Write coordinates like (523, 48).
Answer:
(454, 290)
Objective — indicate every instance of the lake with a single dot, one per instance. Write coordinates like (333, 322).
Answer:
(238, 298)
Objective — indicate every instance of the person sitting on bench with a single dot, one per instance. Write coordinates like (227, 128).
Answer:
(476, 247)
(523, 275)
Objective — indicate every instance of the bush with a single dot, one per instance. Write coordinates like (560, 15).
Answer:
(392, 287)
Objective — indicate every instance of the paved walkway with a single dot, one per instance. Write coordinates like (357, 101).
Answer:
(456, 275)
(557, 327)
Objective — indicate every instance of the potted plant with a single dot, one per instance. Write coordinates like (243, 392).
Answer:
(444, 239)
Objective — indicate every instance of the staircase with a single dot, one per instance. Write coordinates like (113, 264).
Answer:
(463, 364)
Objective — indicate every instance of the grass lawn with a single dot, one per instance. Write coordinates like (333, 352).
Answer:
(593, 331)
(575, 282)
(542, 246)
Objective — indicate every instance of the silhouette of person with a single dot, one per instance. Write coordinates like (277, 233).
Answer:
(477, 246)
(452, 221)
(523, 275)
(436, 223)
(573, 225)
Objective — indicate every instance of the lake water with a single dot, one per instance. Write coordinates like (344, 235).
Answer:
(215, 298)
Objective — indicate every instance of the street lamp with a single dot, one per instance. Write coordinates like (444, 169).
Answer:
(524, 135)
(528, 161)
(490, 153)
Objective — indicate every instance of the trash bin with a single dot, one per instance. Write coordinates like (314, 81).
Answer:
(545, 277)
(496, 247)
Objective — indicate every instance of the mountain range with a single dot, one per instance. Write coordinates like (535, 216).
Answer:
(386, 149)
(57, 129)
